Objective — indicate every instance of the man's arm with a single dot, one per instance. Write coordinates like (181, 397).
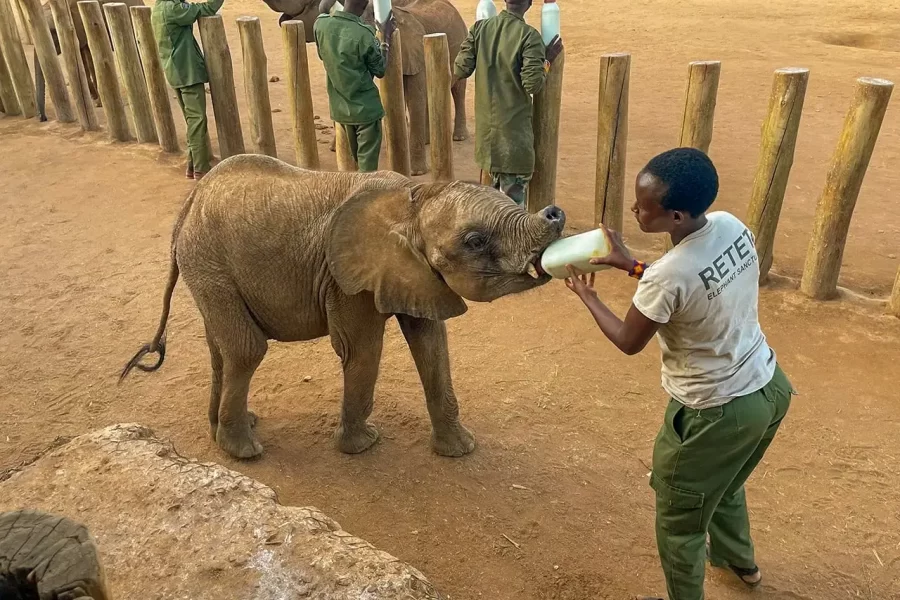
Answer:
(465, 62)
(631, 335)
(376, 58)
(534, 55)
(186, 13)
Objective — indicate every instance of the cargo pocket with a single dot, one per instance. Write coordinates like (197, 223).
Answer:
(677, 510)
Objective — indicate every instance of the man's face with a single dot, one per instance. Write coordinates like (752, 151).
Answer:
(647, 208)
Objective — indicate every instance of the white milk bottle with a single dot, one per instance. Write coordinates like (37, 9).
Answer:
(576, 250)
(382, 9)
(485, 10)
(549, 21)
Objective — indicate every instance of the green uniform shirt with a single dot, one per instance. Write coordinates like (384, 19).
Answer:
(509, 57)
(352, 57)
(173, 25)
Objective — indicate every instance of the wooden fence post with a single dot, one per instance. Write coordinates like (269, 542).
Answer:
(46, 56)
(105, 69)
(612, 140)
(700, 104)
(71, 54)
(894, 302)
(256, 86)
(547, 107)
(130, 70)
(156, 79)
(776, 155)
(848, 168)
(302, 117)
(345, 161)
(15, 61)
(221, 86)
(10, 104)
(440, 115)
(393, 98)
(21, 25)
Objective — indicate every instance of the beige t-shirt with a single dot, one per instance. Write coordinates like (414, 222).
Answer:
(704, 293)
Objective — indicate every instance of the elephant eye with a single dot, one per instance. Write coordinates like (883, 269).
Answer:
(475, 240)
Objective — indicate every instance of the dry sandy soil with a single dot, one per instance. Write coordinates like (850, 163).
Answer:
(565, 423)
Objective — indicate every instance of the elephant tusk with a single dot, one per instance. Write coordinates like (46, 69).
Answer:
(532, 271)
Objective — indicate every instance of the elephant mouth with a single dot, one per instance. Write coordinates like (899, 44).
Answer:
(534, 269)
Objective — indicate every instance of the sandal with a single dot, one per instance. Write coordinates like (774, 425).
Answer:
(189, 171)
(745, 575)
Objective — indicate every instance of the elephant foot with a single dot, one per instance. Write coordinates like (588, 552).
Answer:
(460, 135)
(98, 103)
(453, 441)
(239, 441)
(418, 168)
(354, 441)
(214, 427)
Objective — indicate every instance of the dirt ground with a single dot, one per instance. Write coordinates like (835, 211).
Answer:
(554, 504)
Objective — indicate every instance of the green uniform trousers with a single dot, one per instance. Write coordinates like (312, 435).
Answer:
(513, 185)
(701, 460)
(192, 100)
(365, 144)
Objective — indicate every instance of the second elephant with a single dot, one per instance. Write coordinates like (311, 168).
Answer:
(415, 19)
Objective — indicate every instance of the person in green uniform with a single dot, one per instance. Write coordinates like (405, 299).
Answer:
(173, 25)
(728, 395)
(353, 57)
(512, 64)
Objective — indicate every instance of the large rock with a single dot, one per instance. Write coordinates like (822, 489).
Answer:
(170, 528)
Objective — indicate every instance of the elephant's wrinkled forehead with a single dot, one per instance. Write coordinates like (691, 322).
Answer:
(460, 205)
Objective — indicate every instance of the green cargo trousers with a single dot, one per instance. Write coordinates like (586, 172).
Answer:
(365, 144)
(192, 100)
(513, 185)
(701, 460)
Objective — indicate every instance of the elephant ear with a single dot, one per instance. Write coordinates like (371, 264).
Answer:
(413, 46)
(373, 246)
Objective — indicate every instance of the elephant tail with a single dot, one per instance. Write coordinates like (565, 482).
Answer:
(158, 344)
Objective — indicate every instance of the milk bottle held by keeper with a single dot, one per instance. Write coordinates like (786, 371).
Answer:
(337, 6)
(382, 9)
(485, 10)
(549, 21)
(576, 250)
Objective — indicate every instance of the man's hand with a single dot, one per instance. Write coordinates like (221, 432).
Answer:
(581, 283)
(619, 257)
(554, 48)
(387, 28)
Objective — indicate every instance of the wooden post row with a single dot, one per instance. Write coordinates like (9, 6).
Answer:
(156, 79)
(256, 86)
(440, 117)
(8, 100)
(21, 26)
(105, 69)
(612, 139)
(547, 107)
(71, 54)
(130, 70)
(221, 86)
(45, 52)
(842, 185)
(14, 54)
(300, 95)
(393, 98)
(776, 155)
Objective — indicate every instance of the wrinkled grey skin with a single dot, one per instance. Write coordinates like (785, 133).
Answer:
(415, 19)
(50, 556)
(86, 57)
(273, 252)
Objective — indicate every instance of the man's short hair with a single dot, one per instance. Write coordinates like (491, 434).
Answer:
(691, 179)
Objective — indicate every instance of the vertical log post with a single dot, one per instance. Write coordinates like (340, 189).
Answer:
(345, 161)
(130, 70)
(21, 25)
(71, 54)
(46, 56)
(302, 116)
(700, 104)
(22, 82)
(8, 100)
(547, 107)
(393, 98)
(256, 86)
(221, 86)
(612, 139)
(776, 155)
(894, 302)
(105, 69)
(440, 115)
(848, 168)
(156, 79)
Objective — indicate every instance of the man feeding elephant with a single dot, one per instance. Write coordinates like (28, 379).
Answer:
(173, 25)
(353, 57)
(512, 63)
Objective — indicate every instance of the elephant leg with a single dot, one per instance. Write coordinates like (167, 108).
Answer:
(237, 347)
(460, 131)
(91, 75)
(427, 341)
(39, 91)
(357, 333)
(414, 87)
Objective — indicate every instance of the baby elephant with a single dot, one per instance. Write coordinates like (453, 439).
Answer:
(273, 252)
(47, 557)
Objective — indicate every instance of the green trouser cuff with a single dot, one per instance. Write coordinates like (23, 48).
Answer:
(192, 100)
(701, 460)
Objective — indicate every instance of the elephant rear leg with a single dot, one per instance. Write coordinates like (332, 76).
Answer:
(215, 388)
(460, 131)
